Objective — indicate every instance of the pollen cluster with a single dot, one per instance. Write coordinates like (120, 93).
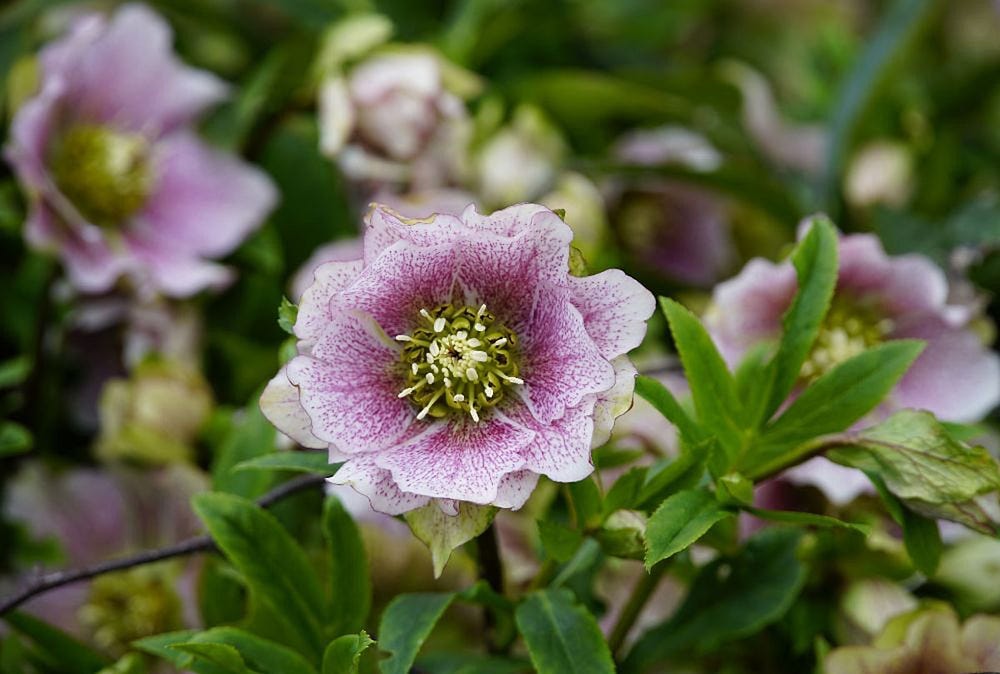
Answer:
(847, 330)
(104, 173)
(458, 360)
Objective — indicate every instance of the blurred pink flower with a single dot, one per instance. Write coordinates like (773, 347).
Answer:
(673, 229)
(119, 183)
(458, 360)
(878, 298)
(96, 515)
(392, 120)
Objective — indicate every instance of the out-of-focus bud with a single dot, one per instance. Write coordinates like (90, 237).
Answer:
(155, 416)
(881, 173)
(520, 163)
(868, 605)
(971, 570)
(585, 211)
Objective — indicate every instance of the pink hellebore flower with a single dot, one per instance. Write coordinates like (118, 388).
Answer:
(120, 184)
(877, 298)
(459, 360)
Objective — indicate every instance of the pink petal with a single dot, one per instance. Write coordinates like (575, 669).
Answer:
(400, 282)
(515, 220)
(378, 486)
(956, 377)
(349, 388)
(515, 488)
(916, 285)
(615, 308)
(384, 228)
(30, 133)
(129, 77)
(614, 402)
(560, 363)
(559, 450)
(344, 250)
(461, 461)
(205, 202)
(280, 404)
(172, 272)
(91, 265)
(314, 307)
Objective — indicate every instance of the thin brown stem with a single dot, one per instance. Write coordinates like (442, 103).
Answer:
(51, 581)
(641, 593)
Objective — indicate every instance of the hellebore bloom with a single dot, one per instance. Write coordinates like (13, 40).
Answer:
(391, 119)
(119, 183)
(459, 360)
(877, 298)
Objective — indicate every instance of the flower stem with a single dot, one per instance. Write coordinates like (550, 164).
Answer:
(51, 581)
(641, 593)
(490, 570)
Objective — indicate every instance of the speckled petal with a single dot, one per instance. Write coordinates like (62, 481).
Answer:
(314, 306)
(560, 450)
(280, 404)
(615, 308)
(378, 486)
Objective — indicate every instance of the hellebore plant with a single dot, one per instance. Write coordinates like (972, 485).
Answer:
(119, 183)
(459, 360)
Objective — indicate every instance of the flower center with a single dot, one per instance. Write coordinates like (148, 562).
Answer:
(129, 605)
(106, 174)
(848, 329)
(458, 359)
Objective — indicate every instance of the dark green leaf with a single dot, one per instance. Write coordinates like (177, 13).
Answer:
(815, 260)
(684, 472)
(680, 521)
(160, 645)
(258, 654)
(406, 623)
(923, 542)
(298, 461)
(14, 439)
(730, 598)
(559, 541)
(58, 649)
(220, 658)
(831, 404)
(660, 397)
(624, 493)
(274, 566)
(250, 436)
(222, 598)
(350, 583)
(712, 386)
(288, 313)
(806, 519)
(344, 653)
(561, 635)
(588, 506)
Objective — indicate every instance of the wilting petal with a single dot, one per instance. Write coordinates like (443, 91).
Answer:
(280, 404)
(377, 485)
(615, 308)
(463, 461)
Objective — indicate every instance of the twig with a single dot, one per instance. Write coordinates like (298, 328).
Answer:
(641, 593)
(51, 581)
(490, 570)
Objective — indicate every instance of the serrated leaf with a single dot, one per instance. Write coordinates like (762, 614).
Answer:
(350, 582)
(288, 313)
(159, 645)
(274, 566)
(561, 635)
(297, 461)
(58, 649)
(680, 521)
(916, 459)
(344, 653)
(712, 387)
(406, 622)
(831, 404)
(816, 265)
(730, 598)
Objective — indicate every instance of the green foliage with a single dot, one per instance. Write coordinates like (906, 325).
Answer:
(288, 313)
(561, 635)
(559, 541)
(350, 583)
(731, 597)
(249, 436)
(680, 521)
(344, 653)
(55, 648)
(273, 565)
(234, 651)
(406, 623)
(14, 439)
(296, 461)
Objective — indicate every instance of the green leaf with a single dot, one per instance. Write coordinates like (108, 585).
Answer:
(406, 623)
(734, 489)
(833, 402)
(816, 265)
(624, 493)
(250, 436)
(274, 566)
(680, 521)
(14, 439)
(660, 397)
(916, 459)
(730, 598)
(256, 654)
(56, 648)
(222, 658)
(559, 541)
(443, 533)
(288, 313)
(159, 645)
(712, 386)
(561, 635)
(586, 503)
(806, 519)
(298, 461)
(923, 542)
(221, 596)
(344, 653)
(896, 32)
(683, 472)
(130, 663)
(350, 582)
